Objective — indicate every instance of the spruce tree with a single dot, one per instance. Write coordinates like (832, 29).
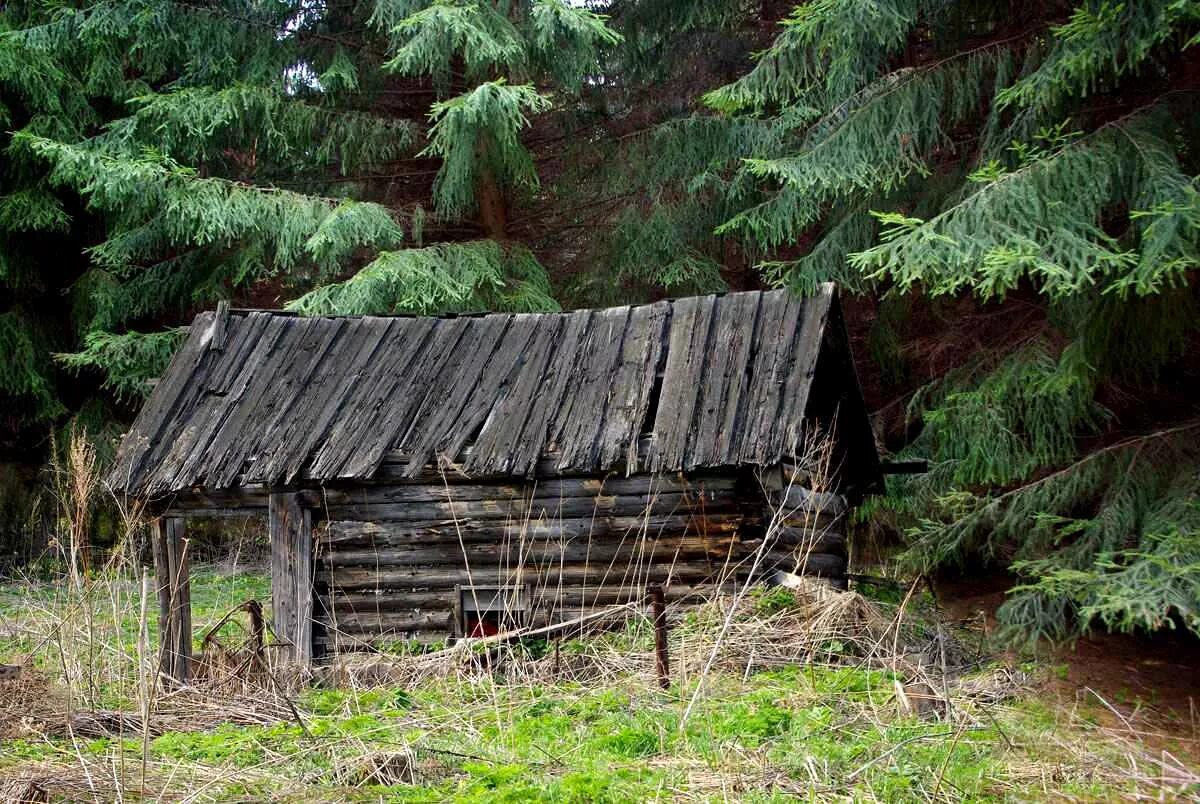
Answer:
(923, 152)
(341, 159)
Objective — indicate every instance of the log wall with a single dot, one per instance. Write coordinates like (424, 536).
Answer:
(393, 558)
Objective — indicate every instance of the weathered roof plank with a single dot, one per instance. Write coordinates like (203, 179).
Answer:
(288, 398)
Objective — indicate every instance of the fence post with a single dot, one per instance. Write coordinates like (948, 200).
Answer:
(169, 544)
(658, 613)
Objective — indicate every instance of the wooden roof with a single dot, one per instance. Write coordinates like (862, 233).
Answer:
(272, 398)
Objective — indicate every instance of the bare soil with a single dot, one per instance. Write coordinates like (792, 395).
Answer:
(1151, 681)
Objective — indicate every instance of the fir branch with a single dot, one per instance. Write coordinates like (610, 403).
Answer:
(157, 203)
(1102, 42)
(129, 361)
(24, 372)
(428, 41)
(197, 124)
(1043, 220)
(826, 50)
(478, 134)
(568, 40)
(868, 146)
(477, 275)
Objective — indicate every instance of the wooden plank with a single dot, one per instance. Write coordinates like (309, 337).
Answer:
(583, 487)
(169, 546)
(436, 422)
(774, 336)
(537, 438)
(360, 578)
(578, 439)
(535, 508)
(346, 371)
(399, 354)
(724, 375)
(788, 431)
(183, 464)
(220, 327)
(573, 597)
(535, 552)
(273, 392)
(682, 378)
(821, 565)
(504, 446)
(493, 383)
(305, 390)
(745, 308)
(632, 385)
(220, 439)
(399, 404)
(342, 533)
(167, 638)
(387, 622)
(131, 470)
(795, 500)
(290, 531)
(214, 433)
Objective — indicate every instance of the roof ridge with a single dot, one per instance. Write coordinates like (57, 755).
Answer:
(481, 313)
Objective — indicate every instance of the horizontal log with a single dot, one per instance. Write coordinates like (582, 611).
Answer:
(828, 542)
(792, 498)
(439, 598)
(384, 625)
(561, 488)
(822, 565)
(535, 509)
(224, 512)
(387, 533)
(552, 598)
(359, 578)
(384, 621)
(536, 551)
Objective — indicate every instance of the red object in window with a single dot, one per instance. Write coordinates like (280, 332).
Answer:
(477, 627)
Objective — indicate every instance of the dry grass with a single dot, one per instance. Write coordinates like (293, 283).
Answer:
(800, 690)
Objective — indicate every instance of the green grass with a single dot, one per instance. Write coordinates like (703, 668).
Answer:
(813, 731)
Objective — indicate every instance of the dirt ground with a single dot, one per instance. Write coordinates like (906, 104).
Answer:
(1151, 681)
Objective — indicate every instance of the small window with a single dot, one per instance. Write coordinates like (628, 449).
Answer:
(487, 610)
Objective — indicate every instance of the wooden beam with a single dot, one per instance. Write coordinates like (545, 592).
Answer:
(290, 528)
(169, 544)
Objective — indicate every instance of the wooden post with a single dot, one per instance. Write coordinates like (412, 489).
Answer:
(290, 527)
(658, 612)
(174, 599)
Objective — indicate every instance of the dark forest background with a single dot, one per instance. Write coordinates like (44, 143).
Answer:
(1006, 192)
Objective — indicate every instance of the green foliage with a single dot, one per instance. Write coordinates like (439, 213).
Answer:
(1102, 42)
(919, 154)
(129, 360)
(827, 51)
(479, 275)
(200, 123)
(477, 135)
(261, 150)
(1044, 221)
(24, 370)
(568, 40)
(478, 33)
(868, 145)
(1111, 537)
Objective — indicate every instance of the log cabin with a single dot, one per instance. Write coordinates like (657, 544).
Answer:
(438, 477)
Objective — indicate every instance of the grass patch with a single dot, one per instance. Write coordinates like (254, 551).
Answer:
(757, 734)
